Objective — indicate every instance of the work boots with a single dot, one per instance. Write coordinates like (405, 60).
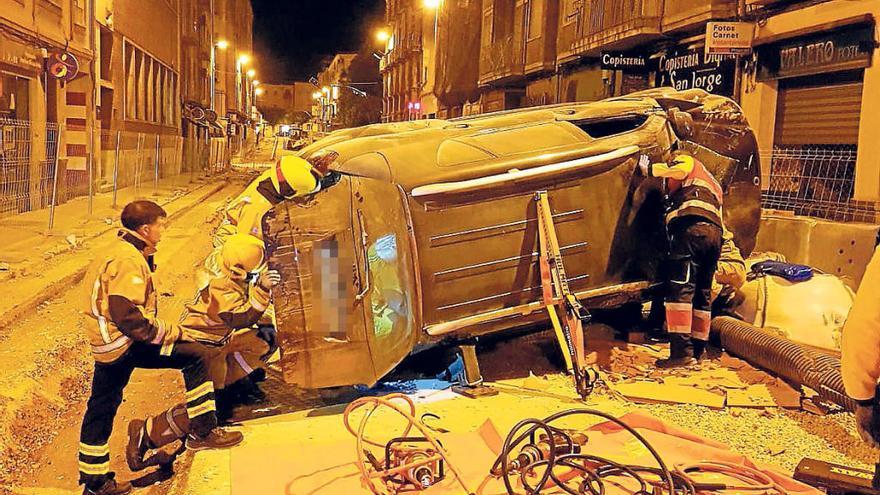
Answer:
(109, 487)
(681, 352)
(218, 438)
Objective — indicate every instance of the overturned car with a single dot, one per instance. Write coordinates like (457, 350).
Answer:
(432, 233)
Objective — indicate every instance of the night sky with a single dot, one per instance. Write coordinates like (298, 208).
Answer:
(291, 37)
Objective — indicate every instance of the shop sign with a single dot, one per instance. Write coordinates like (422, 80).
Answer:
(62, 65)
(729, 38)
(18, 55)
(843, 49)
(693, 69)
(624, 61)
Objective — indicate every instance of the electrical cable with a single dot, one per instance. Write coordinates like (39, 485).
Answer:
(366, 458)
(593, 469)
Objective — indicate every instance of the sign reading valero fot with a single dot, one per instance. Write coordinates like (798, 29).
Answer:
(830, 51)
(729, 38)
(624, 61)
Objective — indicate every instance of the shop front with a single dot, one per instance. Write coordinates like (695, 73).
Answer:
(819, 84)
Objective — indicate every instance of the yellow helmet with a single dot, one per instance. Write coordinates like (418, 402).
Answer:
(293, 177)
(241, 255)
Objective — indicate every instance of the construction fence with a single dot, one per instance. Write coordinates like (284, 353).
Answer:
(815, 181)
(49, 164)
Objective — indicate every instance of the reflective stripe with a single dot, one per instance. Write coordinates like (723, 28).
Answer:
(703, 315)
(693, 203)
(207, 407)
(241, 362)
(167, 349)
(200, 391)
(256, 304)
(117, 344)
(102, 322)
(94, 469)
(704, 184)
(169, 415)
(679, 306)
(94, 450)
(160, 333)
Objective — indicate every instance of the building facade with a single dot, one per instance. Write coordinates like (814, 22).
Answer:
(99, 93)
(811, 93)
(401, 65)
(35, 104)
(291, 101)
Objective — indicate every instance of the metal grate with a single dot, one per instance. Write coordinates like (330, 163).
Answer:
(816, 181)
(26, 172)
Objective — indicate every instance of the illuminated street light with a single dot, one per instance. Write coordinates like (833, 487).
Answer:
(251, 73)
(256, 83)
(244, 59)
(316, 95)
(432, 4)
(382, 35)
(222, 44)
(259, 92)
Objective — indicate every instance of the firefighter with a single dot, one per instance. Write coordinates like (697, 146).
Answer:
(127, 335)
(223, 316)
(860, 353)
(290, 178)
(729, 277)
(693, 227)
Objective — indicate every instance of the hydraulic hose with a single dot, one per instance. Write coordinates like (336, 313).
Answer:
(794, 362)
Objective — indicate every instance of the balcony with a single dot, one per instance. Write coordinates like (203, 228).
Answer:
(692, 15)
(501, 62)
(610, 25)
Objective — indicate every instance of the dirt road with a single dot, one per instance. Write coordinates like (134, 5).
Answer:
(41, 458)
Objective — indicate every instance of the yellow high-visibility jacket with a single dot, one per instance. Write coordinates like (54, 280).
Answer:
(731, 271)
(247, 210)
(122, 300)
(860, 348)
(223, 306)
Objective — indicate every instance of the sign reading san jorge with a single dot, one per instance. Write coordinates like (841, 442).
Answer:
(693, 69)
(849, 48)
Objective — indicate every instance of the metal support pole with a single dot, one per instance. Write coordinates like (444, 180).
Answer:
(139, 161)
(91, 168)
(54, 180)
(116, 170)
(156, 178)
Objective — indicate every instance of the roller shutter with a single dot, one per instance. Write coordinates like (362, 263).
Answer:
(819, 114)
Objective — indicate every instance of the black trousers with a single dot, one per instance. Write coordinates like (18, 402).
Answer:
(108, 383)
(695, 246)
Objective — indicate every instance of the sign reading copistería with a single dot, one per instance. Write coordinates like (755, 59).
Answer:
(842, 49)
(624, 61)
(693, 69)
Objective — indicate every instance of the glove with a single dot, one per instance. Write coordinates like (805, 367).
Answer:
(270, 335)
(269, 279)
(645, 165)
(867, 425)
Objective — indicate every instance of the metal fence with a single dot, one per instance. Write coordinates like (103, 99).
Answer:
(815, 181)
(34, 175)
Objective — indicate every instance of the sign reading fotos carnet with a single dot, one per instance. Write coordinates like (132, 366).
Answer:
(693, 69)
(729, 38)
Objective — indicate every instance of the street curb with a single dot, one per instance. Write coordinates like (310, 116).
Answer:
(52, 290)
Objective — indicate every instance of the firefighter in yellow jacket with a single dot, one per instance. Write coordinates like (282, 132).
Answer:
(222, 317)
(860, 352)
(694, 229)
(127, 334)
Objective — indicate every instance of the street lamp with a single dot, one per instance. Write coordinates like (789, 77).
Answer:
(244, 59)
(222, 44)
(382, 35)
(432, 4)
(251, 73)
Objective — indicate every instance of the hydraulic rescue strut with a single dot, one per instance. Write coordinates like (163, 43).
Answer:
(557, 295)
